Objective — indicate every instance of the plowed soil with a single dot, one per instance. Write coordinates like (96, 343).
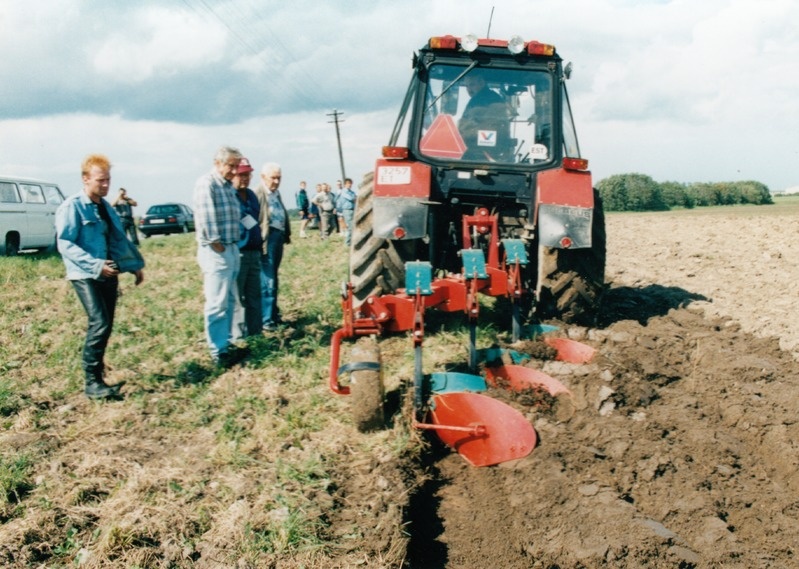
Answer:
(681, 451)
(675, 447)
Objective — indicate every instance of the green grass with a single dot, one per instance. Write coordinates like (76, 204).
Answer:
(15, 482)
(248, 463)
(783, 205)
(189, 443)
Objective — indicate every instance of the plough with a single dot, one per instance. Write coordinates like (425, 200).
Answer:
(484, 430)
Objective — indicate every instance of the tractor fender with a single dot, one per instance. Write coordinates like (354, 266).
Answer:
(564, 208)
(401, 199)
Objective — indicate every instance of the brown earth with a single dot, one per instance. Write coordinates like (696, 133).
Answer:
(681, 451)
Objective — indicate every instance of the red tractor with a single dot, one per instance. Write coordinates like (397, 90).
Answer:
(481, 189)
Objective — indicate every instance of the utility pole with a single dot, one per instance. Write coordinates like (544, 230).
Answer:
(335, 114)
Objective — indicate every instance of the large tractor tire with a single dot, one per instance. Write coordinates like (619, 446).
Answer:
(572, 281)
(366, 386)
(377, 266)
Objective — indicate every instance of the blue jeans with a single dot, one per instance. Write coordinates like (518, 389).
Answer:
(270, 263)
(348, 214)
(220, 271)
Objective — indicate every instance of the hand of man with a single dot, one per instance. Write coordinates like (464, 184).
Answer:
(109, 269)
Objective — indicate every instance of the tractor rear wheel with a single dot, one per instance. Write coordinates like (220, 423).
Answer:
(377, 266)
(366, 386)
(571, 281)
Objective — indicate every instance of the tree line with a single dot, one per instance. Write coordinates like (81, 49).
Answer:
(638, 192)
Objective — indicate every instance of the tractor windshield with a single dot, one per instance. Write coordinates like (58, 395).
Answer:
(488, 115)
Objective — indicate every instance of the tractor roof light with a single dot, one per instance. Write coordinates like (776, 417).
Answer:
(395, 152)
(538, 48)
(580, 164)
(443, 42)
(516, 45)
(469, 43)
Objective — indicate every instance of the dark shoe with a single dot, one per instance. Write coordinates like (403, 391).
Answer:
(238, 353)
(228, 359)
(98, 389)
(223, 360)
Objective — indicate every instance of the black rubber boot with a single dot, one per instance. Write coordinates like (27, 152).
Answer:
(96, 388)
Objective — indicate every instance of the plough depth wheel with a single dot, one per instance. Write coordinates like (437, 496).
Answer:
(366, 386)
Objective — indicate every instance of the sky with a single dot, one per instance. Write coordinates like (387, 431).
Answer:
(679, 90)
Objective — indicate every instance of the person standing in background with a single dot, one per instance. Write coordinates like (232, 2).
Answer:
(276, 232)
(124, 205)
(249, 311)
(217, 216)
(327, 213)
(337, 218)
(302, 204)
(345, 207)
(90, 235)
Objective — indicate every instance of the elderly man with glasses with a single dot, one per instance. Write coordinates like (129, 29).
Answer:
(217, 218)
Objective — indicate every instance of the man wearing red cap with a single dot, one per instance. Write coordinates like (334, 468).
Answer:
(247, 321)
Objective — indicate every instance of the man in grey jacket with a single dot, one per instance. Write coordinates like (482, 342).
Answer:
(276, 232)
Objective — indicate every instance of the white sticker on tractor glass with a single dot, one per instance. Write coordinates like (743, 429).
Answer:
(539, 152)
(486, 138)
(394, 175)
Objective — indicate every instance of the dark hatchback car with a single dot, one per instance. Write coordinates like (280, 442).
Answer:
(167, 218)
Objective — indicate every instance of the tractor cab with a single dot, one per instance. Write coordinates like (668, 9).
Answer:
(490, 105)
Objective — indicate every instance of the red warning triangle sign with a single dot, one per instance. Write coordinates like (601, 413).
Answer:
(442, 139)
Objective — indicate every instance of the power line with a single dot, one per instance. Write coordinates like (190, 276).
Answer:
(294, 89)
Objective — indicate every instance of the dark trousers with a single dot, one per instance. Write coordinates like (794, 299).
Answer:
(130, 229)
(99, 299)
(250, 292)
(270, 264)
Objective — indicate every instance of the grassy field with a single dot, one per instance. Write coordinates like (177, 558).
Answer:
(134, 482)
(243, 467)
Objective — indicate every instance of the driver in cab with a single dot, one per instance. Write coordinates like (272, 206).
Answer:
(485, 123)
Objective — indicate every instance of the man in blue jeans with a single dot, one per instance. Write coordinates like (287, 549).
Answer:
(345, 206)
(217, 219)
(90, 236)
(276, 232)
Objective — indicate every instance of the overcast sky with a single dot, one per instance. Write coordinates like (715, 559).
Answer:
(680, 90)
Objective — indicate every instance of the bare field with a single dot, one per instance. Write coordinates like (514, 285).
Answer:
(681, 450)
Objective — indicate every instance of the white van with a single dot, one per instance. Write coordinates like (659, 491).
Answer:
(27, 214)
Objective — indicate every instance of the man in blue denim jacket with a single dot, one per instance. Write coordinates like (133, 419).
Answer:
(90, 236)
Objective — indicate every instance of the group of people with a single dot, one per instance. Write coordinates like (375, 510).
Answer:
(240, 235)
(333, 209)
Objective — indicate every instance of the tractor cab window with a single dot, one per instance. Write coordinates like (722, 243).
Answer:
(570, 146)
(487, 115)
